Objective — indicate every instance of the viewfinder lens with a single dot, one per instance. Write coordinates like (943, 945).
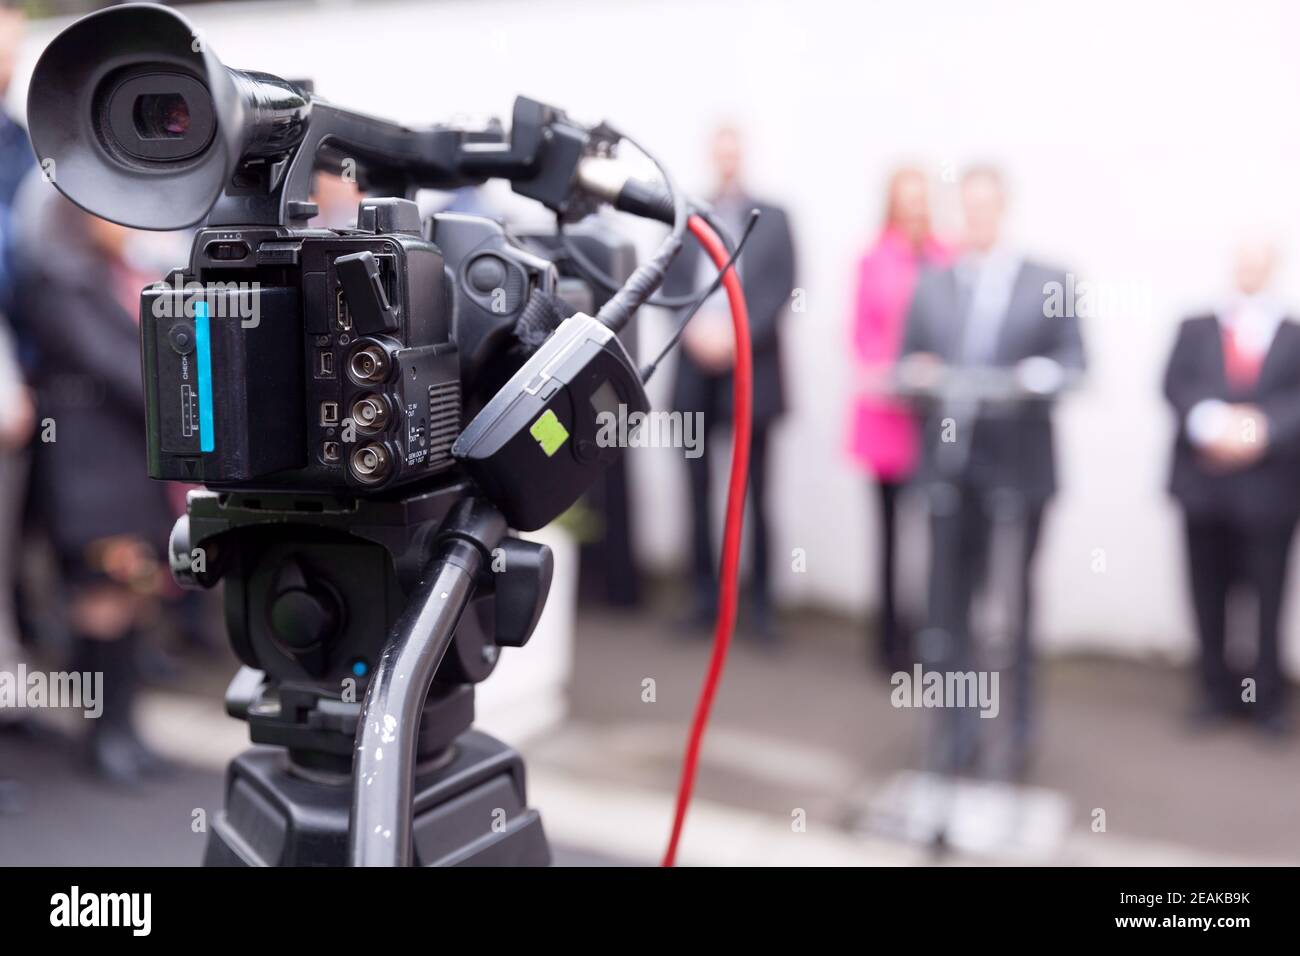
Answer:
(161, 116)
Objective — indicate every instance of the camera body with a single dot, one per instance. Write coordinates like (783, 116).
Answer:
(328, 360)
(344, 362)
(317, 380)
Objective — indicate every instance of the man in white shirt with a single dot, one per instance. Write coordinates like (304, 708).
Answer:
(1234, 383)
(988, 311)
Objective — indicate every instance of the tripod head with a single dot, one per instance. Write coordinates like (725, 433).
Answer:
(314, 589)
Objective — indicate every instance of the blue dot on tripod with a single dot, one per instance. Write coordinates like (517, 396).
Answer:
(360, 668)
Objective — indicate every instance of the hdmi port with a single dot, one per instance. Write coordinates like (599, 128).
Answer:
(342, 313)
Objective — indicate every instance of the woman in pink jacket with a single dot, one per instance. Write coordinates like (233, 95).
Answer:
(883, 438)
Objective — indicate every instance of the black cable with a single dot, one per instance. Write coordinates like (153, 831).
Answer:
(648, 276)
(595, 275)
(649, 369)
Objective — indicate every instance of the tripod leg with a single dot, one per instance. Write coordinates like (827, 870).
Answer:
(384, 766)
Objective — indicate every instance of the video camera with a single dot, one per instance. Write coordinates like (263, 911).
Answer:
(373, 410)
(335, 361)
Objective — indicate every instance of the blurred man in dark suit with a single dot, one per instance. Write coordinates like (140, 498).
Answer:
(15, 149)
(107, 520)
(988, 310)
(704, 371)
(1234, 383)
(16, 408)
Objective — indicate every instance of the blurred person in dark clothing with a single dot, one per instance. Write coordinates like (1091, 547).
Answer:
(988, 310)
(108, 521)
(703, 384)
(1234, 383)
(17, 419)
(16, 156)
(17, 414)
(883, 435)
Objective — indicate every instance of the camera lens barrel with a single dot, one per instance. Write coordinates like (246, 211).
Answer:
(276, 113)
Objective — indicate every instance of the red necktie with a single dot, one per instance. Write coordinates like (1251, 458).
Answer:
(1240, 366)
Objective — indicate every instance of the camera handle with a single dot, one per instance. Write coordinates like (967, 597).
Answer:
(539, 157)
(384, 768)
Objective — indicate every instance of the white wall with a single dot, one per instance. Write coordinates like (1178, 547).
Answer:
(1140, 138)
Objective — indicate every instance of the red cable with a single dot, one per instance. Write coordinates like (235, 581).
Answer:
(742, 399)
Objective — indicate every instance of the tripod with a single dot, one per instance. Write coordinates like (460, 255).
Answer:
(363, 625)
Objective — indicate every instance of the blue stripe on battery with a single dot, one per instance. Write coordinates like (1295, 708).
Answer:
(203, 352)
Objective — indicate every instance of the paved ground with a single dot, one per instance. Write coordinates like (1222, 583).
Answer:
(805, 729)
(811, 727)
(70, 820)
